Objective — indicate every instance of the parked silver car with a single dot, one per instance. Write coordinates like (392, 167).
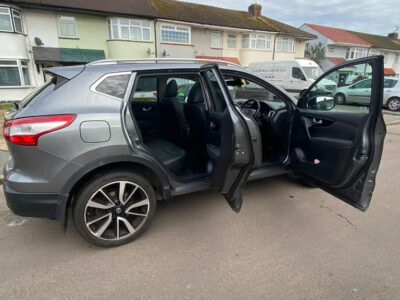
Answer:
(360, 92)
(88, 143)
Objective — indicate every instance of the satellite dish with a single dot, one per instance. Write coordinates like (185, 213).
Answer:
(38, 42)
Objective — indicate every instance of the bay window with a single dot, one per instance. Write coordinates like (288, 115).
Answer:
(175, 34)
(10, 20)
(353, 53)
(216, 39)
(14, 73)
(256, 41)
(284, 44)
(129, 29)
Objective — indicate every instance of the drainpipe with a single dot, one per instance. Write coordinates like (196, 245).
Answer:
(273, 49)
(155, 37)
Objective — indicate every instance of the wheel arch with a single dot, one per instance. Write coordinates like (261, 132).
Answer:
(153, 173)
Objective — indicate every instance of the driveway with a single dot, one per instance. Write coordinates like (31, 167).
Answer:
(288, 242)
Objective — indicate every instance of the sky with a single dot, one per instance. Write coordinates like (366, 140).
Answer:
(369, 16)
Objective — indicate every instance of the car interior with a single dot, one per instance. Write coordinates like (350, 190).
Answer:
(182, 124)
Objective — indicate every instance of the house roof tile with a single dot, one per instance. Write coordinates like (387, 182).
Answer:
(173, 10)
(339, 35)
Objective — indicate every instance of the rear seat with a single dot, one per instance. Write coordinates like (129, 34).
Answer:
(171, 155)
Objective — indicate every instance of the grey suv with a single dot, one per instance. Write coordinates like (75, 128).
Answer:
(106, 140)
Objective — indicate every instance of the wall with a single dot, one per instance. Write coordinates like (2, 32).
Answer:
(130, 49)
(201, 39)
(173, 50)
(92, 33)
(41, 24)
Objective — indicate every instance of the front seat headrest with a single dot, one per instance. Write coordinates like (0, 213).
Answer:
(196, 94)
(171, 90)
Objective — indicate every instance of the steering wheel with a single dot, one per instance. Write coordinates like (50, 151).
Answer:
(252, 108)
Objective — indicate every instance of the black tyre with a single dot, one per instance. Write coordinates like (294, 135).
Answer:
(114, 208)
(340, 98)
(393, 104)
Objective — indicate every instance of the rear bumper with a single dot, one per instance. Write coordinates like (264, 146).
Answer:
(31, 204)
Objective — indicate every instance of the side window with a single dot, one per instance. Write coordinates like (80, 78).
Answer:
(215, 91)
(365, 84)
(114, 85)
(146, 90)
(184, 86)
(389, 83)
(329, 94)
(298, 73)
(242, 90)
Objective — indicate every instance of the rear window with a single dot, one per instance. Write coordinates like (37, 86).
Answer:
(389, 83)
(39, 93)
(114, 85)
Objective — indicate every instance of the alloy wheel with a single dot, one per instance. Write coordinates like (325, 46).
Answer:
(394, 104)
(117, 210)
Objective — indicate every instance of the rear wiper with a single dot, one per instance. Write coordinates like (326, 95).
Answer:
(14, 105)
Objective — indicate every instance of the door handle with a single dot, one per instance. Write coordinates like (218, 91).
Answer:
(146, 109)
(317, 121)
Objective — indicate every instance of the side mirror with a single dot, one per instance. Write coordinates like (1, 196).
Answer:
(325, 102)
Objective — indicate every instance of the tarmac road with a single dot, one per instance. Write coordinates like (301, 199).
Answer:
(288, 242)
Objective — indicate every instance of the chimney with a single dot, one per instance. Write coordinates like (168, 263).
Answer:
(393, 36)
(255, 10)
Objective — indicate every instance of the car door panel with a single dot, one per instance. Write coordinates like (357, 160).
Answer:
(146, 115)
(339, 149)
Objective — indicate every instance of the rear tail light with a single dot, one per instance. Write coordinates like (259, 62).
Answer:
(26, 131)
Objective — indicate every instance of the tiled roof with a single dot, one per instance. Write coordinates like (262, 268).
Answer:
(228, 59)
(339, 35)
(336, 60)
(173, 10)
(389, 71)
(378, 41)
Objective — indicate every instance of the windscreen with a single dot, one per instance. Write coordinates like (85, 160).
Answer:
(312, 72)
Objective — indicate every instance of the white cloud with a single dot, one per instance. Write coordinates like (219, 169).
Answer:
(371, 16)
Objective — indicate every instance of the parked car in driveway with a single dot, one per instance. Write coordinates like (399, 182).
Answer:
(88, 143)
(360, 92)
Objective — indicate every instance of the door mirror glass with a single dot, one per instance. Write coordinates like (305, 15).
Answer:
(347, 89)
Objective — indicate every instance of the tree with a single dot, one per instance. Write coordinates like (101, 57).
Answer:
(316, 52)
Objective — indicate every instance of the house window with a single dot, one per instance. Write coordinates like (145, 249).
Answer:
(331, 50)
(256, 41)
(127, 29)
(285, 44)
(175, 34)
(10, 20)
(397, 58)
(352, 53)
(232, 41)
(14, 73)
(67, 27)
(216, 39)
(373, 52)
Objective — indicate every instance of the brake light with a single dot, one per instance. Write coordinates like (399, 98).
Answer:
(26, 131)
(155, 94)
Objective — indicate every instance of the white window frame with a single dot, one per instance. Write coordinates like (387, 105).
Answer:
(373, 52)
(254, 37)
(131, 24)
(175, 28)
(11, 15)
(231, 37)
(331, 50)
(18, 64)
(284, 39)
(217, 40)
(70, 20)
(353, 53)
(397, 58)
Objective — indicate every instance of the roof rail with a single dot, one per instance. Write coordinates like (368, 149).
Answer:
(157, 59)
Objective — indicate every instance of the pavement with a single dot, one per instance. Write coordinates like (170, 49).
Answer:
(288, 242)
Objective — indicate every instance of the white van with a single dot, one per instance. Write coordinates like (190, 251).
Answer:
(293, 75)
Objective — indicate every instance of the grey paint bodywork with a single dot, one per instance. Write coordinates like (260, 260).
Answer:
(103, 133)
